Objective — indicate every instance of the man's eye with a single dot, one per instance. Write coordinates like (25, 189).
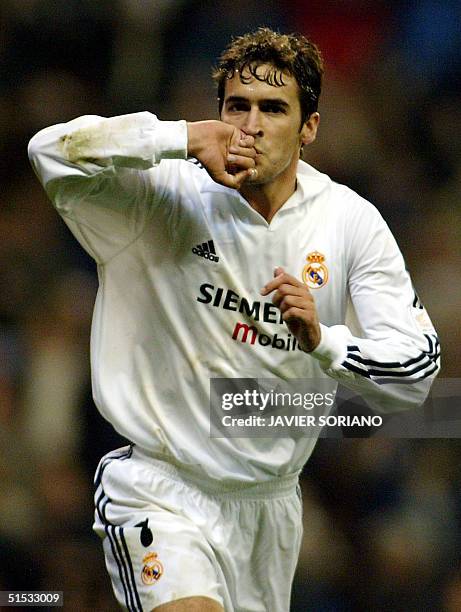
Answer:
(236, 108)
(273, 108)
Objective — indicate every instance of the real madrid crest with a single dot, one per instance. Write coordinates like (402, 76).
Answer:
(152, 570)
(315, 272)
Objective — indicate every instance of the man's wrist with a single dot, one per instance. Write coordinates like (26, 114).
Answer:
(197, 132)
(191, 128)
(331, 350)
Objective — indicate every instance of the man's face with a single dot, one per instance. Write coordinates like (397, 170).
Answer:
(273, 116)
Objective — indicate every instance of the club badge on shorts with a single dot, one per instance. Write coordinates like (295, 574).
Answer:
(152, 570)
(315, 272)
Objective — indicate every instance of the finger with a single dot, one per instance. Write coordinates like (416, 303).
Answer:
(279, 280)
(246, 140)
(288, 301)
(236, 180)
(293, 314)
(245, 151)
(240, 139)
(287, 291)
(240, 162)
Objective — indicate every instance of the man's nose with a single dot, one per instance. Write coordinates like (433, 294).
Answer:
(252, 124)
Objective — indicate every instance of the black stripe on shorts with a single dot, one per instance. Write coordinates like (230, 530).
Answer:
(119, 548)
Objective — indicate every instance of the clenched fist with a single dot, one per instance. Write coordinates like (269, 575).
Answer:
(226, 152)
(297, 306)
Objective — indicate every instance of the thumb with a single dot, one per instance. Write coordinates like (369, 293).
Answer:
(278, 271)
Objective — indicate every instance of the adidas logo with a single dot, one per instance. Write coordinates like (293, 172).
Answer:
(206, 250)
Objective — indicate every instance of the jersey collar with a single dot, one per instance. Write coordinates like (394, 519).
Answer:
(310, 183)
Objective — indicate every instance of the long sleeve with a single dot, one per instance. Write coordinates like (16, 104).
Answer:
(101, 174)
(388, 351)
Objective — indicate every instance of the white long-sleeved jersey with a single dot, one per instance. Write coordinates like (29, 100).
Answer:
(181, 261)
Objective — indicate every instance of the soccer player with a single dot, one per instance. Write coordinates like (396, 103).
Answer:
(222, 255)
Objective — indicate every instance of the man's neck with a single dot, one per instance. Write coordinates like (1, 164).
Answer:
(268, 199)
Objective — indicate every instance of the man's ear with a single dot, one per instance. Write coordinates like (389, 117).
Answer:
(309, 129)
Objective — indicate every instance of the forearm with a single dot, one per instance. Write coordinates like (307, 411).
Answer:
(97, 173)
(91, 144)
(392, 374)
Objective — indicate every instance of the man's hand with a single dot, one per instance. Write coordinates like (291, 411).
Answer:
(298, 309)
(226, 152)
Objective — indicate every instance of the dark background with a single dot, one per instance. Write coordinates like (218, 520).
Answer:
(381, 516)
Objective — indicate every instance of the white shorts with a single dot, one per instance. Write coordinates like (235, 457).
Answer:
(167, 535)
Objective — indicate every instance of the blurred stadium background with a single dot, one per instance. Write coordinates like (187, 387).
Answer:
(382, 517)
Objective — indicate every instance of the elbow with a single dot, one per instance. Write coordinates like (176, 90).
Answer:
(403, 395)
(45, 156)
(36, 151)
(33, 149)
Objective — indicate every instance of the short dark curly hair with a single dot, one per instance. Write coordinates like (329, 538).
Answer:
(291, 54)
